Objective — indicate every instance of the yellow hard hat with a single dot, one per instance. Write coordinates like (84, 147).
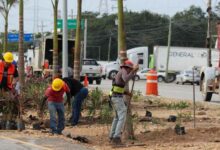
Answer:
(8, 57)
(57, 84)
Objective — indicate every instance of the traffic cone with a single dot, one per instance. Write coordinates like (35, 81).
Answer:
(86, 83)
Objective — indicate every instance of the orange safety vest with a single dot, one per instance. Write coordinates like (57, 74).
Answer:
(10, 75)
(46, 65)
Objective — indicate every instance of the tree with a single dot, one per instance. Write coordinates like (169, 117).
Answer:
(21, 60)
(77, 51)
(55, 37)
(129, 132)
(189, 28)
(21, 44)
(5, 6)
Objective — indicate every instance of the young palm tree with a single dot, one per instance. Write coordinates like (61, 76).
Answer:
(5, 6)
(21, 44)
(21, 62)
(76, 69)
(129, 132)
(55, 38)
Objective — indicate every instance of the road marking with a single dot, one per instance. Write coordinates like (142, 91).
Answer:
(26, 143)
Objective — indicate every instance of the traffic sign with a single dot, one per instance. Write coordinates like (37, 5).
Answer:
(71, 24)
(14, 37)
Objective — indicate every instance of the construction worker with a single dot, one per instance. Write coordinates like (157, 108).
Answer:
(126, 73)
(8, 72)
(54, 96)
(78, 93)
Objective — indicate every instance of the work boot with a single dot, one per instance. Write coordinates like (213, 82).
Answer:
(110, 140)
(117, 142)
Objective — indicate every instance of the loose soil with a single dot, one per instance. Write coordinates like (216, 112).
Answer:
(157, 134)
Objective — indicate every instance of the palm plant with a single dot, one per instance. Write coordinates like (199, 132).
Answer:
(129, 132)
(5, 6)
(55, 38)
(77, 42)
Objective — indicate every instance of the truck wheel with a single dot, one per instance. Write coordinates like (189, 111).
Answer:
(90, 81)
(136, 78)
(160, 79)
(207, 96)
(112, 74)
(98, 81)
(171, 78)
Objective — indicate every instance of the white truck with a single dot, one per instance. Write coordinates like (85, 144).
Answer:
(210, 77)
(180, 58)
(36, 58)
(134, 55)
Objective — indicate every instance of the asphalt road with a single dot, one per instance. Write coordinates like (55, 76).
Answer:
(10, 142)
(169, 90)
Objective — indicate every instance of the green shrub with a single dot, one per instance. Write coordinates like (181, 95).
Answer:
(136, 95)
(178, 105)
(94, 101)
(34, 90)
(106, 113)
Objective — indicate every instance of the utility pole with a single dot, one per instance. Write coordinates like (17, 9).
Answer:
(109, 46)
(65, 41)
(85, 38)
(42, 40)
(168, 48)
(209, 41)
(42, 30)
(72, 30)
(103, 7)
(99, 53)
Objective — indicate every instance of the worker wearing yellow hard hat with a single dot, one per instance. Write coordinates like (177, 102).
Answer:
(8, 72)
(54, 97)
(8, 81)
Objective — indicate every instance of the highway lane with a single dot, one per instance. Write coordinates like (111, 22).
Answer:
(169, 90)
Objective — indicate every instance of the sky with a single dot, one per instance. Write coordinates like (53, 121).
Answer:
(40, 12)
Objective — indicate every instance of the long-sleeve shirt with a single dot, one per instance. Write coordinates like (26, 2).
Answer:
(122, 77)
(74, 85)
(56, 96)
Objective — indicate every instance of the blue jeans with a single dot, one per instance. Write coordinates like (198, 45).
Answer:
(56, 108)
(77, 103)
(120, 116)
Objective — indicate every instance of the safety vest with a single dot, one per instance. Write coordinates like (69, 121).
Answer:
(116, 88)
(10, 74)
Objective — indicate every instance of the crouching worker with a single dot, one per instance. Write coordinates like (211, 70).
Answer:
(78, 93)
(54, 96)
(126, 73)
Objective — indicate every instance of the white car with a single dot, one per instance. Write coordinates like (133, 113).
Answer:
(141, 75)
(186, 76)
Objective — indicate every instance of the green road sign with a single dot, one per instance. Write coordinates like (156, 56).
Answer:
(71, 24)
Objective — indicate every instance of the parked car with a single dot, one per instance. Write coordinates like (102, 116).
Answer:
(141, 75)
(92, 69)
(186, 76)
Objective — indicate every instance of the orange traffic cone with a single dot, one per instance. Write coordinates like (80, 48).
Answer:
(85, 82)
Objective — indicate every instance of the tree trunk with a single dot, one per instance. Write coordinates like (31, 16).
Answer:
(121, 33)
(129, 132)
(21, 44)
(6, 33)
(21, 52)
(55, 41)
(77, 51)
